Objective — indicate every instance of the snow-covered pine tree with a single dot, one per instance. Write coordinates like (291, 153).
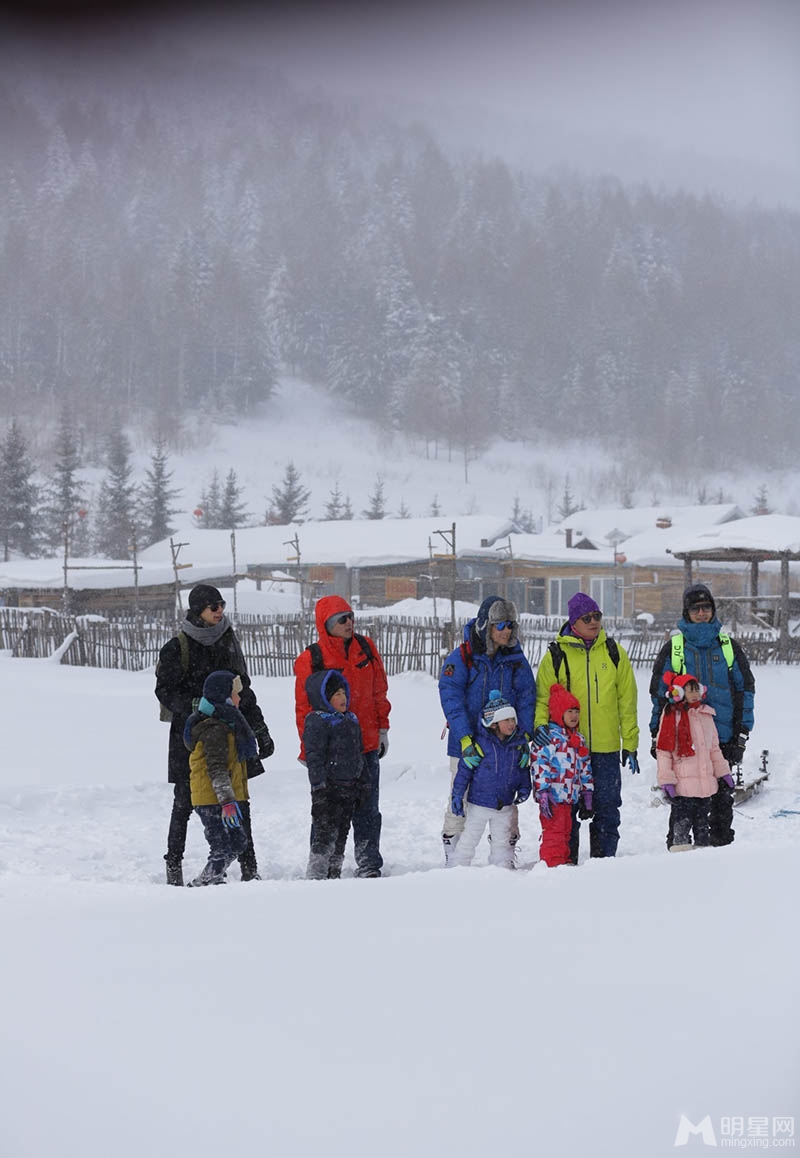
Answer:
(334, 508)
(377, 502)
(290, 498)
(233, 511)
(116, 504)
(18, 495)
(211, 504)
(568, 505)
(64, 495)
(156, 498)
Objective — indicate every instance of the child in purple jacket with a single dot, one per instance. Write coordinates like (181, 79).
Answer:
(487, 792)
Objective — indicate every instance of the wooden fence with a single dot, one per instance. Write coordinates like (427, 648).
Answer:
(271, 645)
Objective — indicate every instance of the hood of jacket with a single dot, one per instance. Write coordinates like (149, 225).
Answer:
(316, 688)
(327, 606)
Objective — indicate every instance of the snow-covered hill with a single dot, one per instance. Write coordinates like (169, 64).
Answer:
(564, 1012)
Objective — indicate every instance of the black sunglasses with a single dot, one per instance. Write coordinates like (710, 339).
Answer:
(592, 617)
(699, 606)
(345, 618)
(217, 606)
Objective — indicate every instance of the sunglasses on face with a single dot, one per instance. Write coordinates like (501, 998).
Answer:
(345, 618)
(700, 607)
(592, 617)
(220, 606)
(504, 623)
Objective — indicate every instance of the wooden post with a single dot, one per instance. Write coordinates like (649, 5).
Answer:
(783, 645)
(753, 588)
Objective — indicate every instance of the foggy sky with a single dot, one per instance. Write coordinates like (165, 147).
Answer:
(720, 78)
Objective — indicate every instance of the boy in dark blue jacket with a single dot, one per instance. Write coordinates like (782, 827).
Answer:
(501, 780)
(332, 743)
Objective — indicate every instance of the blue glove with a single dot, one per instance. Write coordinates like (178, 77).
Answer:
(541, 736)
(232, 815)
(631, 759)
(525, 755)
(544, 804)
(457, 806)
(471, 753)
(521, 797)
(670, 790)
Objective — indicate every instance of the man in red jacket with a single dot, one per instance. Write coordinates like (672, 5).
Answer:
(339, 646)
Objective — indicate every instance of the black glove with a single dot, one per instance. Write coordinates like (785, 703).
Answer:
(733, 749)
(266, 744)
(654, 739)
(584, 812)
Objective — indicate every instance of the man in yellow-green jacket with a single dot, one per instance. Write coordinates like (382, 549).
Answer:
(598, 672)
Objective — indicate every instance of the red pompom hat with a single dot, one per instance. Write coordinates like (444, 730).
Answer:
(561, 700)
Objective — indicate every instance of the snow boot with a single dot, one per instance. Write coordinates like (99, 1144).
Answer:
(212, 874)
(681, 847)
(248, 865)
(174, 871)
(449, 843)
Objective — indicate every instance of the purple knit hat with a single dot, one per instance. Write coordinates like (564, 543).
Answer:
(580, 604)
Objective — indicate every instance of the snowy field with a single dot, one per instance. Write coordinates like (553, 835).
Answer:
(471, 1012)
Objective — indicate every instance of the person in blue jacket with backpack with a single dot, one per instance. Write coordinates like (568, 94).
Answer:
(487, 793)
(701, 647)
(490, 658)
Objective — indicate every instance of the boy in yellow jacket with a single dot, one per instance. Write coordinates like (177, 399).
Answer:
(598, 672)
(220, 742)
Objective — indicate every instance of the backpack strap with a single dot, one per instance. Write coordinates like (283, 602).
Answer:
(183, 641)
(465, 651)
(679, 659)
(557, 652)
(613, 650)
(318, 660)
(363, 642)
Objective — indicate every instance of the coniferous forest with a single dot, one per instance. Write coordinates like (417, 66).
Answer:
(171, 241)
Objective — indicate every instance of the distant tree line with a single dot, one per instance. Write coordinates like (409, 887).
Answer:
(170, 246)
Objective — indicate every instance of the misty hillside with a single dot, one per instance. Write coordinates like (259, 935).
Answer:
(176, 240)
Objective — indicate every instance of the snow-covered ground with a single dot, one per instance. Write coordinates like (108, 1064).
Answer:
(471, 1012)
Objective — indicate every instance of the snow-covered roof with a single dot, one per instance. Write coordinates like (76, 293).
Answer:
(772, 534)
(639, 537)
(350, 543)
(601, 522)
(100, 574)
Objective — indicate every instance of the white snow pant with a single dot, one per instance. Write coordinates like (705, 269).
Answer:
(501, 829)
(453, 825)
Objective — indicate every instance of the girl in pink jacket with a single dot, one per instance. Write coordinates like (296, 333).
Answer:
(689, 760)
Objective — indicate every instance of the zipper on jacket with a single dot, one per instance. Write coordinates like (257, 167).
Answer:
(589, 701)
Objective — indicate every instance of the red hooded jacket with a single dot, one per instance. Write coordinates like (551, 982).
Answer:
(366, 677)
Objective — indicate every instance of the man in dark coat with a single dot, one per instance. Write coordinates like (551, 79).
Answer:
(701, 647)
(205, 643)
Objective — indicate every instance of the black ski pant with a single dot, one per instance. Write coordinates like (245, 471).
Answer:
(722, 830)
(720, 818)
(332, 811)
(689, 815)
(179, 823)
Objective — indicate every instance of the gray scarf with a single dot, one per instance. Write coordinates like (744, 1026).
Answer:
(209, 635)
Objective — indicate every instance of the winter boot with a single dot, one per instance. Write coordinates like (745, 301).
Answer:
(248, 865)
(449, 843)
(174, 870)
(681, 847)
(212, 874)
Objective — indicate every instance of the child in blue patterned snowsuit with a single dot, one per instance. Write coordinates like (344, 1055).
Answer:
(488, 792)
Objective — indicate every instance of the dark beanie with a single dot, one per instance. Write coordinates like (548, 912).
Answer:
(202, 596)
(698, 593)
(218, 686)
(334, 683)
